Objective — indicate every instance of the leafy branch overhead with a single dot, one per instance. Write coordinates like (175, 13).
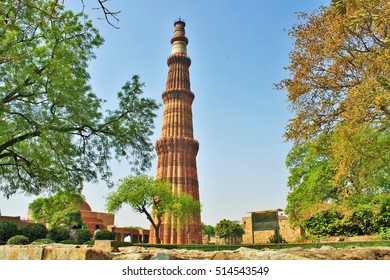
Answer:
(54, 132)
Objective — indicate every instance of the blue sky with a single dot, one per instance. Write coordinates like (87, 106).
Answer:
(238, 50)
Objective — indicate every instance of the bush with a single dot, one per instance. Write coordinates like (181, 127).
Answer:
(82, 235)
(323, 223)
(18, 240)
(7, 230)
(89, 242)
(384, 215)
(34, 231)
(42, 241)
(362, 222)
(104, 235)
(274, 239)
(58, 233)
(384, 234)
(68, 241)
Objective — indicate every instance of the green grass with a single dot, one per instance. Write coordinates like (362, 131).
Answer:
(212, 247)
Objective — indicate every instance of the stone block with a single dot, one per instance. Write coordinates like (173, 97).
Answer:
(106, 245)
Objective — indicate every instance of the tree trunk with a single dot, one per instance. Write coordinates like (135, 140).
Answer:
(157, 234)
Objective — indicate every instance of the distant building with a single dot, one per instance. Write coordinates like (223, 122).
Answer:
(92, 218)
(260, 226)
(19, 221)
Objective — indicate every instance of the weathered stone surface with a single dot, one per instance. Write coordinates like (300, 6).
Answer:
(51, 252)
(106, 245)
(72, 252)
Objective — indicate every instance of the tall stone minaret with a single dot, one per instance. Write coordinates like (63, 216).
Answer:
(177, 148)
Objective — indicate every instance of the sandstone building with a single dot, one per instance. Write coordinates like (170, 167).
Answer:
(177, 148)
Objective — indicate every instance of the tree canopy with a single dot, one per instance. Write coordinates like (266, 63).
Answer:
(154, 198)
(339, 91)
(340, 83)
(54, 133)
(228, 230)
(61, 208)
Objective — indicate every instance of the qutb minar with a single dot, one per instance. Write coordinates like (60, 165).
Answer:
(177, 148)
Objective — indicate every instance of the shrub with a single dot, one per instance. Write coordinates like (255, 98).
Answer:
(7, 230)
(323, 223)
(18, 240)
(384, 234)
(274, 239)
(42, 241)
(104, 235)
(362, 222)
(68, 241)
(58, 233)
(34, 231)
(384, 216)
(89, 242)
(82, 235)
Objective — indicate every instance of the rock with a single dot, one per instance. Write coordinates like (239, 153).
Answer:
(51, 252)
(220, 256)
(106, 245)
(327, 248)
(82, 252)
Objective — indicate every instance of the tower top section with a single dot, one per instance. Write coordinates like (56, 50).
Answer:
(179, 40)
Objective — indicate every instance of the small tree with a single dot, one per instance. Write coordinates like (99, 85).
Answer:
(228, 230)
(144, 194)
(208, 230)
(58, 209)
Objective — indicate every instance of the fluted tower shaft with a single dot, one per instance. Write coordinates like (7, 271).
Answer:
(177, 148)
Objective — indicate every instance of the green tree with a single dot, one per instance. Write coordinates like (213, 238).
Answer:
(229, 230)
(61, 208)
(54, 133)
(154, 198)
(209, 230)
(340, 85)
(310, 180)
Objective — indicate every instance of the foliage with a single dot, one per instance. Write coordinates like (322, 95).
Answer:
(58, 233)
(89, 242)
(82, 235)
(340, 87)
(276, 238)
(208, 230)
(43, 241)
(322, 223)
(384, 234)
(384, 214)
(361, 222)
(104, 235)
(61, 208)
(69, 242)
(361, 219)
(228, 230)
(54, 133)
(7, 230)
(34, 231)
(18, 240)
(144, 194)
(310, 178)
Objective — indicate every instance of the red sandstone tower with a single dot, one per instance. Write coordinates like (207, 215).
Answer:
(177, 148)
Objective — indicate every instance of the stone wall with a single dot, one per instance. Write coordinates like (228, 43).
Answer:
(91, 219)
(288, 233)
(16, 219)
(291, 235)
